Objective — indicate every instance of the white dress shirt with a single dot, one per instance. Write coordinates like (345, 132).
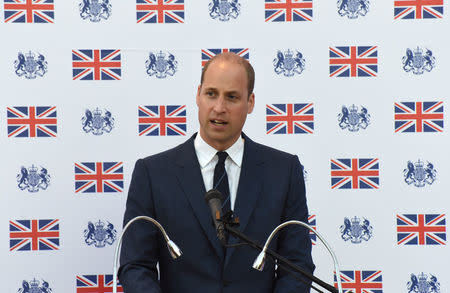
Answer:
(208, 159)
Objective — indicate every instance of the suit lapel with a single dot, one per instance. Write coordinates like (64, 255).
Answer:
(249, 188)
(191, 181)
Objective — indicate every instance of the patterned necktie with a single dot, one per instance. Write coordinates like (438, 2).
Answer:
(221, 181)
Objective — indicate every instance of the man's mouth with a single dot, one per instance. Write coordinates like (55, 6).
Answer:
(218, 122)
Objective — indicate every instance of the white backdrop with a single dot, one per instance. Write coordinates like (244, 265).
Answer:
(73, 257)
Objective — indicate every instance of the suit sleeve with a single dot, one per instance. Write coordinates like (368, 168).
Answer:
(294, 242)
(139, 253)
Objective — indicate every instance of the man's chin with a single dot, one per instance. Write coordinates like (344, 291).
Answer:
(219, 140)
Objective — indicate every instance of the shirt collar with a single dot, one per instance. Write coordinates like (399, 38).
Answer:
(205, 152)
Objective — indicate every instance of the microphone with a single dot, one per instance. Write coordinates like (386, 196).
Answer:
(174, 251)
(214, 199)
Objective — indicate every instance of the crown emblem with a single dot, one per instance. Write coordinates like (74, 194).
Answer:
(289, 54)
(97, 112)
(423, 277)
(33, 169)
(34, 283)
(29, 55)
(161, 55)
(353, 108)
(355, 221)
(418, 164)
(418, 51)
(99, 225)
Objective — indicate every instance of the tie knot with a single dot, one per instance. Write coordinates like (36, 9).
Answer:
(222, 157)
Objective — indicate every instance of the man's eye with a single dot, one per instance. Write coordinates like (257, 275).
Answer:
(210, 94)
(232, 97)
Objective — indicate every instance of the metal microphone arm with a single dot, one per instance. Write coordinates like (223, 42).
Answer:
(259, 261)
(174, 251)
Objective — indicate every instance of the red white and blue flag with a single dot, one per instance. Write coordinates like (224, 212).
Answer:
(290, 118)
(96, 284)
(96, 64)
(353, 61)
(32, 121)
(288, 10)
(421, 229)
(25, 235)
(361, 281)
(419, 117)
(312, 223)
(29, 11)
(418, 9)
(160, 11)
(209, 53)
(162, 120)
(355, 174)
(96, 177)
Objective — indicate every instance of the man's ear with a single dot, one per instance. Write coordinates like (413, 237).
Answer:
(198, 94)
(251, 103)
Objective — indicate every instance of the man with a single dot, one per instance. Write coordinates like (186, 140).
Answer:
(264, 187)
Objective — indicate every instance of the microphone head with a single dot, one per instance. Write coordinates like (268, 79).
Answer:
(174, 250)
(259, 262)
(213, 194)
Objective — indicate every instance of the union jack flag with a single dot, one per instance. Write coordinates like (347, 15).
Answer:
(160, 11)
(29, 11)
(288, 10)
(355, 174)
(421, 229)
(91, 177)
(96, 283)
(209, 53)
(96, 64)
(32, 121)
(312, 223)
(361, 281)
(353, 61)
(25, 235)
(419, 117)
(418, 9)
(289, 118)
(162, 120)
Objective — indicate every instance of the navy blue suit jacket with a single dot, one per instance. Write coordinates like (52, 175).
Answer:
(169, 187)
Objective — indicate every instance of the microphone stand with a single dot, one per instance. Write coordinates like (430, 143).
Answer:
(230, 221)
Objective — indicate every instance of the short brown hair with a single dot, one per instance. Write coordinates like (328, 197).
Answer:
(228, 56)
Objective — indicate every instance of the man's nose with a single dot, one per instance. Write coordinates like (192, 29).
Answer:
(219, 104)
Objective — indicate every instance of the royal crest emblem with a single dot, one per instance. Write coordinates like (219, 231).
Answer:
(419, 174)
(355, 231)
(96, 122)
(289, 64)
(35, 286)
(423, 284)
(30, 65)
(351, 119)
(95, 10)
(160, 66)
(100, 234)
(353, 8)
(418, 62)
(33, 179)
(224, 10)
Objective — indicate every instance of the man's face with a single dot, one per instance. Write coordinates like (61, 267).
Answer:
(223, 103)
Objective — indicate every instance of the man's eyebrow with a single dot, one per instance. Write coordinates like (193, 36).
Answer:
(233, 92)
